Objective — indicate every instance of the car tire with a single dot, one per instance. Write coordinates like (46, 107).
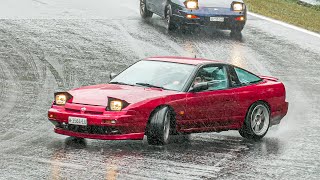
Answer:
(159, 127)
(257, 122)
(76, 140)
(170, 22)
(144, 12)
(236, 32)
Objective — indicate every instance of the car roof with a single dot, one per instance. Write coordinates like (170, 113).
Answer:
(183, 60)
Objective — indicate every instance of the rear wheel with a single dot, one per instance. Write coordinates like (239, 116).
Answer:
(257, 122)
(159, 127)
(144, 12)
(170, 22)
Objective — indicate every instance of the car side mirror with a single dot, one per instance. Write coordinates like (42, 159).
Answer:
(202, 86)
(112, 75)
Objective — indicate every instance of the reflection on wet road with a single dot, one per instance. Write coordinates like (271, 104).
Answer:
(40, 55)
(204, 156)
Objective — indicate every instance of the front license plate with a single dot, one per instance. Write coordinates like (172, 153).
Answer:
(77, 121)
(217, 19)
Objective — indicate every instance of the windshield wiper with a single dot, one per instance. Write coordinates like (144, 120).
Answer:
(121, 83)
(150, 85)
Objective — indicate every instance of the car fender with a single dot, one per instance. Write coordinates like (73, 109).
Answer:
(175, 101)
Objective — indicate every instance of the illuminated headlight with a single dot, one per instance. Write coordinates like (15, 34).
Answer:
(191, 4)
(61, 99)
(237, 6)
(116, 105)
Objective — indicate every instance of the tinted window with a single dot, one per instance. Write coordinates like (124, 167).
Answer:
(216, 76)
(172, 76)
(246, 77)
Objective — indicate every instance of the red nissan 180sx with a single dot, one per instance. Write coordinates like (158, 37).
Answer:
(162, 96)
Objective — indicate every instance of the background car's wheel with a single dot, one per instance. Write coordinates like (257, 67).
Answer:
(171, 25)
(257, 122)
(236, 32)
(159, 127)
(144, 12)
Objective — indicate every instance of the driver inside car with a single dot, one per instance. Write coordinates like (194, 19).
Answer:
(197, 80)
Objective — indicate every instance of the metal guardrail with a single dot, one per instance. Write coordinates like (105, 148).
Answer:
(312, 2)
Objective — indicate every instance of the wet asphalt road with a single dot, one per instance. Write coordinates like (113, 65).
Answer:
(48, 46)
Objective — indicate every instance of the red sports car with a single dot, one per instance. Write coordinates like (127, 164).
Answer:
(162, 96)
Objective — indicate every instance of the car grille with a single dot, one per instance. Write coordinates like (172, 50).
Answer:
(102, 130)
(86, 112)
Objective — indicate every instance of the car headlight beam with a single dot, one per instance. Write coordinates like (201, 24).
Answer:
(61, 98)
(191, 4)
(237, 6)
(116, 105)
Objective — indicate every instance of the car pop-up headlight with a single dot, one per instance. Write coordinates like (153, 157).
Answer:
(237, 6)
(116, 104)
(191, 4)
(61, 98)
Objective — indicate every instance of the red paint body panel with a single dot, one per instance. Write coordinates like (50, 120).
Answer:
(98, 94)
(272, 92)
(126, 121)
(132, 136)
(217, 110)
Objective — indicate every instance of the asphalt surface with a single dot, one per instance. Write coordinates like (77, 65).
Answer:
(48, 46)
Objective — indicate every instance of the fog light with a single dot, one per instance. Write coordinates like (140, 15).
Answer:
(191, 16)
(51, 116)
(240, 18)
(109, 121)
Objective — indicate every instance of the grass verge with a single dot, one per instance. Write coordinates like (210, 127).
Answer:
(290, 11)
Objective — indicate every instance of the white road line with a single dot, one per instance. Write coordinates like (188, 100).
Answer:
(285, 24)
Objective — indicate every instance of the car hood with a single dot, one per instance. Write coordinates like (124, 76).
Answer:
(215, 3)
(98, 94)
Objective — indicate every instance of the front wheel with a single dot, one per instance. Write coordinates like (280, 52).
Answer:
(170, 22)
(144, 12)
(159, 127)
(236, 32)
(75, 140)
(257, 122)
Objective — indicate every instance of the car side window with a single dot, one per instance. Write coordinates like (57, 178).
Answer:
(246, 77)
(215, 75)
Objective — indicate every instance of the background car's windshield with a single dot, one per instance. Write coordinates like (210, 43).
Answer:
(167, 75)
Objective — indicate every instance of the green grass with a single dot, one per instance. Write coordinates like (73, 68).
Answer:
(290, 11)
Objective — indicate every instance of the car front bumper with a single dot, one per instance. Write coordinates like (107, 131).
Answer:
(109, 125)
(230, 20)
(129, 136)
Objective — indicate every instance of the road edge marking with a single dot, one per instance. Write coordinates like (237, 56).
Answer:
(285, 24)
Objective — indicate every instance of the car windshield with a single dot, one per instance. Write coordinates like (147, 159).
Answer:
(158, 74)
